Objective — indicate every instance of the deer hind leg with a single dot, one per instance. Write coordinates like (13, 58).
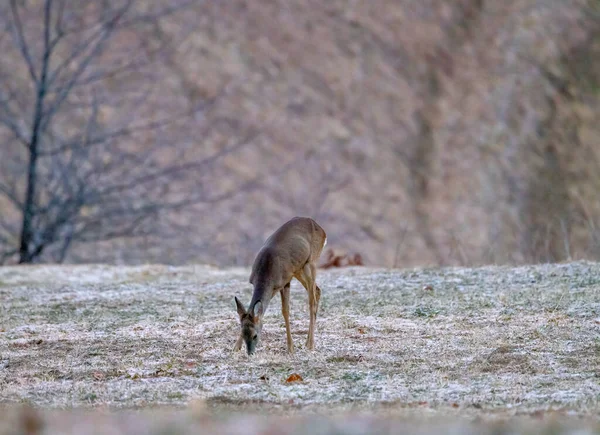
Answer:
(285, 310)
(306, 278)
(312, 264)
(317, 298)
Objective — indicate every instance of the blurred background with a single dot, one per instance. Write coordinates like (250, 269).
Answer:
(417, 132)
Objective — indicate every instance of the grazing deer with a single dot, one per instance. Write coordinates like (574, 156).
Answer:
(290, 252)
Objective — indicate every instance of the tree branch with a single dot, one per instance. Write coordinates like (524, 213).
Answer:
(64, 91)
(9, 119)
(21, 42)
(11, 195)
(102, 139)
(175, 169)
(81, 48)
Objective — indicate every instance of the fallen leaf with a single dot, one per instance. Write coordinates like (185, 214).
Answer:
(422, 402)
(361, 330)
(98, 376)
(455, 405)
(428, 288)
(190, 364)
(294, 377)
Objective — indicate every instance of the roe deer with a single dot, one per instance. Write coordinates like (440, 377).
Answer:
(290, 252)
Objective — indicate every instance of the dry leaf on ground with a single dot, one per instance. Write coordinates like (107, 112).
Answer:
(294, 377)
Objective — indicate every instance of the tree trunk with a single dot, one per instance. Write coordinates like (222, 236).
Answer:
(26, 254)
(26, 230)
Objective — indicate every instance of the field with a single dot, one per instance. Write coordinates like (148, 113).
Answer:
(150, 347)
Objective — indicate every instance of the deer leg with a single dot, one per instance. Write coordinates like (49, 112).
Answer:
(305, 281)
(285, 310)
(318, 298)
(308, 282)
(238, 344)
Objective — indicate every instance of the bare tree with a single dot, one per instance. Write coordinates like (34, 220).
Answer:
(90, 149)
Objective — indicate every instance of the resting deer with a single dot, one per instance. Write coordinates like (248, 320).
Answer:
(290, 252)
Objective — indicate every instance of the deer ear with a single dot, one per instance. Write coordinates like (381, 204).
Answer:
(240, 308)
(257, 311)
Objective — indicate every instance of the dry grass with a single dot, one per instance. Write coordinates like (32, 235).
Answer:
(492, 342)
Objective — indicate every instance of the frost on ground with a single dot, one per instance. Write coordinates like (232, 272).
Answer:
(466, 342)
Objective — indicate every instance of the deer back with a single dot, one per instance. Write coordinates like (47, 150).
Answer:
(287, 250)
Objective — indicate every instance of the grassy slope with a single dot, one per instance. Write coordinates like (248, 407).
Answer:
(493, 341)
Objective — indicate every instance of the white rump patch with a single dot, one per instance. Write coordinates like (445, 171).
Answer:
(325, 241)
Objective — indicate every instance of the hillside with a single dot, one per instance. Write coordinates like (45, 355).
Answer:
(417, 132)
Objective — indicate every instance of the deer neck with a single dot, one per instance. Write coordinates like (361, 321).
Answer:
(262, 292)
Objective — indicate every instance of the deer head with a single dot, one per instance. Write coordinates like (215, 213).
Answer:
(251, 324)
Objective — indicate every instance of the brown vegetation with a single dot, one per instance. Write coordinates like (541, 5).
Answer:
(415, 131)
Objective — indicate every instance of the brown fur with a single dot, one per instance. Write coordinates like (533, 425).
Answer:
(290, 252)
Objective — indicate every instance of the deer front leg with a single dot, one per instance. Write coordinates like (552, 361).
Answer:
(285, 310)
(238, 344)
